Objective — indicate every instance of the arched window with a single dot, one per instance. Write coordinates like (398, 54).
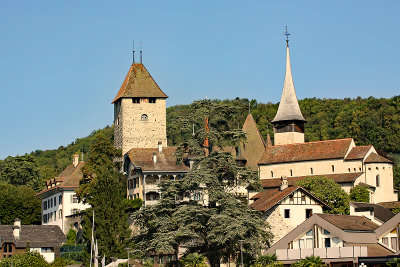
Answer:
(272, 174)
(377, 180)
(291, 172)
(312, 171)
(144, 117)
(333, 168)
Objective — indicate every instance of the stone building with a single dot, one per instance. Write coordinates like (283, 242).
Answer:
(60, 205)
(139, 111)
(44, 239)
(340, 159)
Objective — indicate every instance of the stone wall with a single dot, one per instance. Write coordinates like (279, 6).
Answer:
(133, 130)
(279, 228)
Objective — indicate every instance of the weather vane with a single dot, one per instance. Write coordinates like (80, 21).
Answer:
(286, 33)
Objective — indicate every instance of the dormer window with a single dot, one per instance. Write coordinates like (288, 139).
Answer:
(144, 117)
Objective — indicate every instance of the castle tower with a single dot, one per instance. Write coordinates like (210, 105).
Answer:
(139, 111)
(288, 122)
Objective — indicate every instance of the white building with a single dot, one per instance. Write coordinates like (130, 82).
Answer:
(59, 199)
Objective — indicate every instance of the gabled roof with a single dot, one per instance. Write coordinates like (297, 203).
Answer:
(338, 178)
(358, 152)
(166, 161)
(268, 199)
(350, 222)
(350, 229)
(33, 235)
(375, 158)
(388, 225)
(68, 178)
(254, 146)
(289, 108)
(380, 212)
(139, 83)
(390, 204)
(318, 150)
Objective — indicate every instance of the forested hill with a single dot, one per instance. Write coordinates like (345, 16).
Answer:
(369, 121)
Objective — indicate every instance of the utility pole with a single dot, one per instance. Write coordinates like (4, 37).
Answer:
(128, 249)
(241, 252)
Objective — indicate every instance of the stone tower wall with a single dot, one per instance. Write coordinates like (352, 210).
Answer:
(134, 132)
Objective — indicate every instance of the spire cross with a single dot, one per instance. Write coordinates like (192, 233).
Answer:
(141, 52)
(286, 33)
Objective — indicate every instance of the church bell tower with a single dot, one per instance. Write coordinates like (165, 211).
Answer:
(139, 111)
(288, 122)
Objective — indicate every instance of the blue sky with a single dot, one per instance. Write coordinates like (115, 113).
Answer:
(62, 62)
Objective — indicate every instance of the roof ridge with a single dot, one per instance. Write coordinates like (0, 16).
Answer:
(312, 142)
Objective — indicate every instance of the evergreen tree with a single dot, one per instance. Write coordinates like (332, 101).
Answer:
(201, 211)
(103, 187)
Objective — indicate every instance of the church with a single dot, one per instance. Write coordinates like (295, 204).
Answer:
(340, 159)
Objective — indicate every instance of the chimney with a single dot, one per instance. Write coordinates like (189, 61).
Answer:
(76, 160)
(159, 146)
(284, 183)
(154, 157)
(17, 228)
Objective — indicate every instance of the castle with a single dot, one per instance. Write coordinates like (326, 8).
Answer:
(140, 132)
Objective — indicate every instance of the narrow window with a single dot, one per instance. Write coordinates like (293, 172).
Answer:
(272, 174)
(327, 242)
(55, 201)
(349, 169)
(291, 172)
(333, 168)
(312, 171)
(144, 117)
(355, 169)
(60, 199)
(287, 213)
(74, 199)
(377, 180)
(291, 198)
(308, 213)
(303, 197)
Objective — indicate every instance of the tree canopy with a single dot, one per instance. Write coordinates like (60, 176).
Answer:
(328, 191)
(359, 193)
(19, 202)
(201, 212)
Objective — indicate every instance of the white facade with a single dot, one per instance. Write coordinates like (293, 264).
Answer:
(46, 252)
(59, 205)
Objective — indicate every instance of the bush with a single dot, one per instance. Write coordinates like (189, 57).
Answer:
(27, 259)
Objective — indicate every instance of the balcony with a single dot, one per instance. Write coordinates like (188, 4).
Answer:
(323, 253)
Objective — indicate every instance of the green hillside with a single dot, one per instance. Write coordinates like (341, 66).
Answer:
(369, 121)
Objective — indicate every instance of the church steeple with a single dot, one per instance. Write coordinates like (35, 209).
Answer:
(288, 122)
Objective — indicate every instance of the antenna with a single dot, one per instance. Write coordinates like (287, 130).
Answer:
(133, 52)
(141, 52)
(286, 33)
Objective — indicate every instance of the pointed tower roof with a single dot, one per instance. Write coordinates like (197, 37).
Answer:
(289, 109)
(139, 83)
(254, 146)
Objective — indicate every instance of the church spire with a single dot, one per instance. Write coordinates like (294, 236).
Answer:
(289, 109)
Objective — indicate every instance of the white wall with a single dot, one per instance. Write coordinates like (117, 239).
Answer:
(48, 256)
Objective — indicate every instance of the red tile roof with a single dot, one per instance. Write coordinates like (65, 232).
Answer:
(271, 198)
(68, 178)
(166, 161)
(329, 149)
(338, 178)
(349, 222)
(139, 83)
(358, 152)
(268, 199)
(375, 158)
